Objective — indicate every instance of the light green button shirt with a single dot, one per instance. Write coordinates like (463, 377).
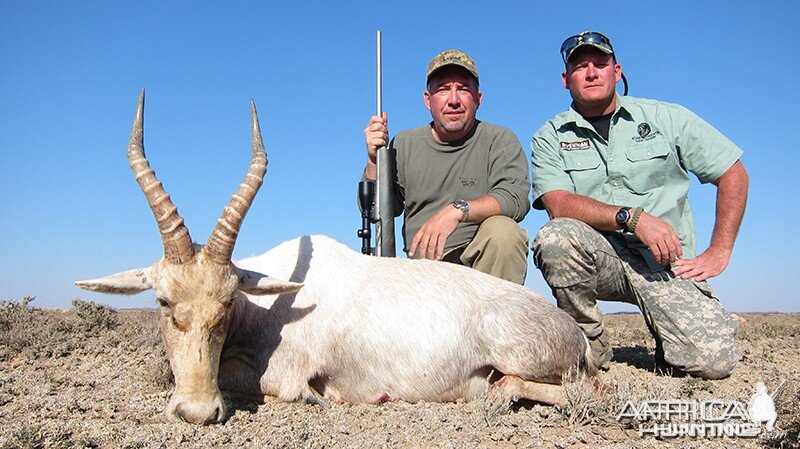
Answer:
(652, 146)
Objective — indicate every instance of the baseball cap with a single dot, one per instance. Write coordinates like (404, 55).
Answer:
(591, 38)
(452, 57)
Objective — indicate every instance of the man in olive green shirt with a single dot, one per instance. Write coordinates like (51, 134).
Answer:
(462, 184)
(613, 174)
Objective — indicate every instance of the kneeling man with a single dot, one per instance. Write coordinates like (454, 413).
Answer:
(613, 174)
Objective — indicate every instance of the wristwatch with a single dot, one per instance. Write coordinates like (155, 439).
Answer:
(463, 206)
(622, 217)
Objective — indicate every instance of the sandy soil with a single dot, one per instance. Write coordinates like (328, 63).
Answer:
(94, 377)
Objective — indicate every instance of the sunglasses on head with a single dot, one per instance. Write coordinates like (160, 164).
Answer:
(587, 37)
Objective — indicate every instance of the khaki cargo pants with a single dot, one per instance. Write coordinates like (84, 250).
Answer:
(499, 248)
(693, 332)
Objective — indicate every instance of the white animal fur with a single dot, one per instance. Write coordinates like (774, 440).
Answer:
(363, 327)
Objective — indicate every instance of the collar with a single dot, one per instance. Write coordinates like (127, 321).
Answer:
(456, 144)
(573, 116)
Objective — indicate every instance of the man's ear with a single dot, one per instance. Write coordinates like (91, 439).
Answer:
(255, 283)
(565, 80)
(126, 283)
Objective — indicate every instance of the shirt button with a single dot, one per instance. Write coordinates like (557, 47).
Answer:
(611, 159)
(648, 153)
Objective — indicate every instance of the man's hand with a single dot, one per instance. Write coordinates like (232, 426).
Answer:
(731, 200)
(707, 265)
(432, 235)
(659, 236)
(376, 135)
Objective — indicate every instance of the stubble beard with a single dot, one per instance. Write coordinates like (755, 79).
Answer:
(595, 103)
(455, 126)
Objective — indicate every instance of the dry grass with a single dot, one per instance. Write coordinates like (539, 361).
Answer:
(34, 437)
(87, 329)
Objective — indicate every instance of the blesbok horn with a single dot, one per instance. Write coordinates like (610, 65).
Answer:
(222, 240)
(177, 242)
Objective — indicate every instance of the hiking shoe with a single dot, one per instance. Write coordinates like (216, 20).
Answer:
(664, 367)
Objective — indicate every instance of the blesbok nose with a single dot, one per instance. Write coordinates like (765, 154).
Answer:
(200, 412)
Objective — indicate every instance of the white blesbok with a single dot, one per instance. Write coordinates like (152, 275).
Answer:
(344, 326)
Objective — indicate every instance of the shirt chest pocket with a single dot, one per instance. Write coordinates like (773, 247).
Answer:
(584, 168)
(647, 165)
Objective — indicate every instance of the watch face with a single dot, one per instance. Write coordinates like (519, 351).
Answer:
(622, 216)
(463, 206)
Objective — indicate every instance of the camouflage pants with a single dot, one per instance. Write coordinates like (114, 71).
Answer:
(499, 248)
(693, 332)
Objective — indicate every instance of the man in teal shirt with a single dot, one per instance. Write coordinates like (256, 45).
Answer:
(613, 174)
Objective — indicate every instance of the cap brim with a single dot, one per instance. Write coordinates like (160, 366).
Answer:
(604, 49)
(452, 64)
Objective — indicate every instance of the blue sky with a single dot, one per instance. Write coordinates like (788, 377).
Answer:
(70, 74)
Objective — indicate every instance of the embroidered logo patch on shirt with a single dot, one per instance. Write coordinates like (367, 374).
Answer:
(645, 133)
(576, 145)
(643, 129)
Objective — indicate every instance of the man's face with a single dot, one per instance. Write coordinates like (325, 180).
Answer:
(453, 99)
(591, 78)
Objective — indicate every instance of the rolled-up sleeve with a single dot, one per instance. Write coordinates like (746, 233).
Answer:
(549, 172)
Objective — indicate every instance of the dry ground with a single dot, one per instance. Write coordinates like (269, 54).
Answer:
(94, 377)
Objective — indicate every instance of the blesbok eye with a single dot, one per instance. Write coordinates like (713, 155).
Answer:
(162, 302)
(215, 325)
(220, 319)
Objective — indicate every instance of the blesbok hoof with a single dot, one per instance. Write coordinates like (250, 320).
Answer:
(314, 399)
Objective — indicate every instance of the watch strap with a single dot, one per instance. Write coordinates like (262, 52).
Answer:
(630, 226)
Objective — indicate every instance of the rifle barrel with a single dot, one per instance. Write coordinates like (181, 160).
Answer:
(384, 225)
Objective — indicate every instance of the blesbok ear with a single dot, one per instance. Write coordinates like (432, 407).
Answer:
(125, 283)
(255, 283)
